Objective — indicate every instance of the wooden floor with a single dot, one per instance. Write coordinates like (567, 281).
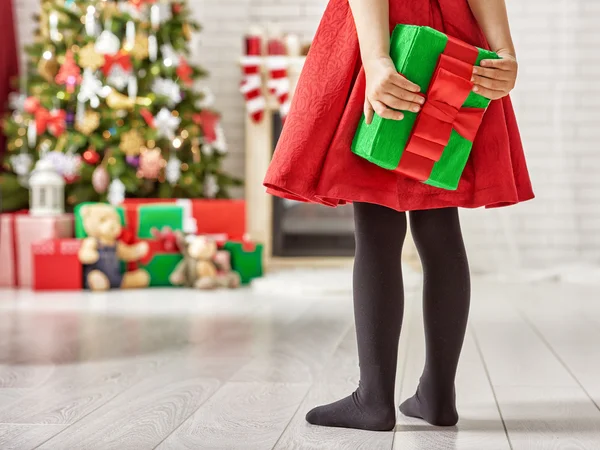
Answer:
(181, 369)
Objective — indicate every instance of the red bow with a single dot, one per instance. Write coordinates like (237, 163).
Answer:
(122, 59)
(54, 121)
(166, 238)
(442, 112)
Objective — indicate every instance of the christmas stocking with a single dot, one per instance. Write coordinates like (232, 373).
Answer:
(279, 83)
(251, 87)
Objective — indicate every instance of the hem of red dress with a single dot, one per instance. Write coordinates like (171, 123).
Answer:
(334, 198)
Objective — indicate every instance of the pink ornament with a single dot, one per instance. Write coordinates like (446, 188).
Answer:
(151, 162)
(100, 179)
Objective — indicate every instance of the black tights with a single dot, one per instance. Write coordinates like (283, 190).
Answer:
(378, 311)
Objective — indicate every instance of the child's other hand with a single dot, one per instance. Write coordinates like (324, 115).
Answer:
(496, 77)
(388, 92)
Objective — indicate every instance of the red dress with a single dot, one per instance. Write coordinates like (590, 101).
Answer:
(313, 161)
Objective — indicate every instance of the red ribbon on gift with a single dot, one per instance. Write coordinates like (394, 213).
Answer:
(442, 112)
(121, 58)
(53, 121)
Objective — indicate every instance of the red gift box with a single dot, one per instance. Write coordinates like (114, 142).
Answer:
(57, 253)
(18, 231)
(220, 217)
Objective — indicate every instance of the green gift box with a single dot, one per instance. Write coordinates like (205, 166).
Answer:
(246, 259)
(431, 146)
(150, 223)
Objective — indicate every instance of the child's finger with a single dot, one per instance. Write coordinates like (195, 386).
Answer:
(368, 112)
(501, 64)
(496, 85)
(400, 81)
(494, 74)
(488, 93)
(397, 103)
(385, 112)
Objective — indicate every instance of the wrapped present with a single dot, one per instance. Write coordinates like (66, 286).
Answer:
(48, 255)
(246, 259)
(431, 146)
(154, 224)
(17, 234)
(207, 217)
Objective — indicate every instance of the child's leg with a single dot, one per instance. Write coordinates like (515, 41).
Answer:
(378, 309)
(446, 299)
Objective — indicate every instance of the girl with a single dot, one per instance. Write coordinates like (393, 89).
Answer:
(349, 71)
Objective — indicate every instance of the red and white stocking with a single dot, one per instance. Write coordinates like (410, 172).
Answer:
(279, 83)
(251, 87)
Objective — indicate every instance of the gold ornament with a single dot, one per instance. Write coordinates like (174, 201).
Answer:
(116, 100)
(89, 58)
(90, 122)
(48, 68)
(131, 143)
(187, 32)
(140, 46)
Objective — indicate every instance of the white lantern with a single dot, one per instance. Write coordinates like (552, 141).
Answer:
(46, 190)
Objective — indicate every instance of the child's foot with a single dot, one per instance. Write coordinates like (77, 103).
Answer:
(355, 412)
(441, 413)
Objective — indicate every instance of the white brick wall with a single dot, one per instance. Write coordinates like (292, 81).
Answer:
(556, 99)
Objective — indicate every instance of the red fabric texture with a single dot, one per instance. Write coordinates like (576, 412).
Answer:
(313, 161)
(9, 67)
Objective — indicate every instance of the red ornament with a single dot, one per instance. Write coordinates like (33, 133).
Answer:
(177, 8)
(139, 3)
(91, 156)
(69, 73)
(148, 117)
(184, 71)
(31, 104)
(122, 59)
(208, 120)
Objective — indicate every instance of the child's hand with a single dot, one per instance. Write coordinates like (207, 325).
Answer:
(497, 77)
(388, 91)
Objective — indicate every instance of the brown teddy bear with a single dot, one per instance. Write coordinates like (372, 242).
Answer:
(203, 265)
(101, 252)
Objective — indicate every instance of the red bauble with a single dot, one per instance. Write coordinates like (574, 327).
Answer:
(184, 71)
(91, 157)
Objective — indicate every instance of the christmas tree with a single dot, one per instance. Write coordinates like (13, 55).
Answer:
(112, 101)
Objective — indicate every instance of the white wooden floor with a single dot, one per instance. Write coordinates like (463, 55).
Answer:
(181, 369)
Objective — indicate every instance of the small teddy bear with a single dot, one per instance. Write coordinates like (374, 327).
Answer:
(203, 265)
(101, 252)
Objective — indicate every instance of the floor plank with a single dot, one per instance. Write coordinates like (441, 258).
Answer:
(26, 437)
(249, 414)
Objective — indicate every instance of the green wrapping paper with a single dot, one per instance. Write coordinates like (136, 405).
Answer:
(246, 259)
(432, 146)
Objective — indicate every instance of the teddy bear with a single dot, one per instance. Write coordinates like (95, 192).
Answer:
(203, 265)
(101, 252)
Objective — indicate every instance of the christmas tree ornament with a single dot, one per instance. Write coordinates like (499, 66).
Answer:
(66, 164)
(177, 7)
(220, 143)
(159, 13)
(166, 124)
(47, 66)
(211, 187)
(251, 87)
(31, 134)
(208, 120)
(148, 117)
(89, 124)
(170, 56)
(120, 59)
(116, 192)
(70, 120)
(89, 58)
(129, 36)
(151, 163)
(16, 101)
(107, 43)
(187, 31)
(91, 157)
(184, 71)
(118, 78)
(53, 26)
(139, 3)
(208, 150)
(91, 26)
(116, 100)
(91, 89)
(133, 161)
(140, 47)
(207, 98)
(132, 87)
(21, 164)
(131, 142)
(152, 48)
(173, 170)
(100, 179)
(69, 73)
(54, 121)
(169, 89)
